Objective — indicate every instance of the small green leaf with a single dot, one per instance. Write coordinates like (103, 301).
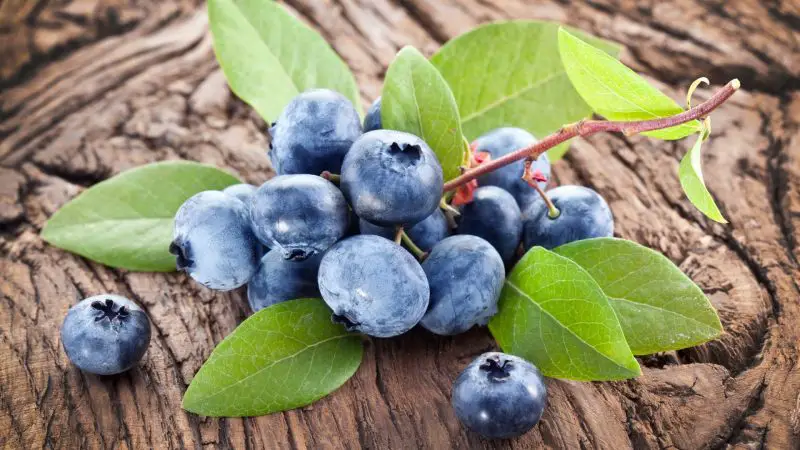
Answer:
(282, 357)
(616, 92)
(554, 314)
(126, 221)
(268, 56)
(693, 184)
(509, 74)
(417, 100)
(659, 307)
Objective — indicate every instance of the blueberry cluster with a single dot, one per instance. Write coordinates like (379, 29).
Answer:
(294, 237)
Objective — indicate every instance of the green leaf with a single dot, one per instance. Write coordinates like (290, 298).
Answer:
(268, 56)
(616, 92)
(659, 307)
(126, 221)
(282, 357)
(693, 184)
(417, 100)
(554, 314)
(509, 74)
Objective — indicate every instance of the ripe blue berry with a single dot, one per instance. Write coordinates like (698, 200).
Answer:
(373, 286)
(499, 396)
(583, 215)
(313, 133)
(466, 276)
(425, 234)
(299, 215)
(105, 334)
(213, 241)
(372, 121)
(500, 142)
(241, 191)
(493, 215)
(392, 178)
(278, 280)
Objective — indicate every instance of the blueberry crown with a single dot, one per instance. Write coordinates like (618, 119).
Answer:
(109, 310)
(495, 370)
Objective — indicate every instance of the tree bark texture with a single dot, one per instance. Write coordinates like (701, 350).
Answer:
(89, 88)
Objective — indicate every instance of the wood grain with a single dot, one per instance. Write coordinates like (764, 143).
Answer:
(89, 88)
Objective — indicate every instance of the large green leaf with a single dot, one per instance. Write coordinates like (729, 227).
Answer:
(268, 56)
(616, 92)
(693, 184)
(282, 357)
(509, 74)
(416, 99)
(659, 307)
(126, 221)
(554, 314)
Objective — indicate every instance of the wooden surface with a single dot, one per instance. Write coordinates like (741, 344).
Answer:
(89, 88)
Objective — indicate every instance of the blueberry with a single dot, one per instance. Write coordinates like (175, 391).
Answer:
(373, 286)
(241, 191)
(499, 396)
(105, 334)
(466, 276)
(372, 121)
(502, 141)
(583, 215)
(392, 178)
(213, 241)
(313, 133)
(278, 280)
(425, 234)
(299, 215)
(493, 215)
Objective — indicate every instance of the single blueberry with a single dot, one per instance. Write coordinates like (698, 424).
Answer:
(392, 178)
(466, 276)
(278, 280)
(213, 241)
(425, 234)
(373, 121)
(493, 215)
(299, 215)
(583, 215)
(503, 141)
(105, 334)
(499, 396)
(241, 191)
(313, 133)
(373, 286)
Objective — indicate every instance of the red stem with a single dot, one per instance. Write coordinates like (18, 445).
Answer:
(589, 127)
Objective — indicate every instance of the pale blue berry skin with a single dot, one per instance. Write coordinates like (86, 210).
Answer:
(392, 178)
(493, 215)
(584, 215)
(373, 286)
(241, 191)
(373, 121)
(278, 280)
(299, 215)
(106, 334)
(502, 141)
(466, 276)
(499, 396)
(425, 234)
(313, 133)
(213, 241)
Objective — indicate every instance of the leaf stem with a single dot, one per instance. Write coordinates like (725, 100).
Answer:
(586, 128)
(412, 247)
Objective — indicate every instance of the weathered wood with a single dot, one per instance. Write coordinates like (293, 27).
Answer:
(92, 87)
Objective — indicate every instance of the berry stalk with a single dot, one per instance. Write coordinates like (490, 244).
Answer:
(586, 128)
